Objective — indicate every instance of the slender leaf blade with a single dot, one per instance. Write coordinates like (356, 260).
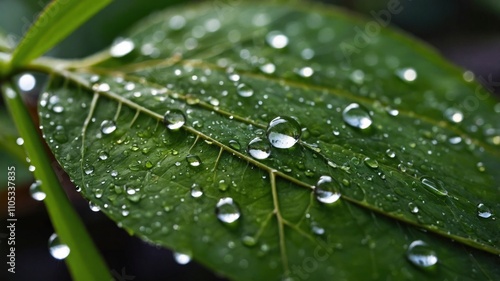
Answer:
(54, 23)
(423, 137)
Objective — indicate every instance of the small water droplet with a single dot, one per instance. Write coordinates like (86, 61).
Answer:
(407, 74)
(421, 255)
(19, 141)
(317, 229)
(193, 160)
(454, 115)
(88, 169)
(108, 126)
(196, 190)
(259, 148)
(356, 116)
(434, 186)
(36, 191)
(122, 47)
(174, 119)
(480, 166)
(227, 211)
(93, 207)
(268, 68)
(327, 190)
(182, 258)
(234, 144)
(413, 208)
(277, 39)
(244, 90)
(483, 211)
(372, 163)
(249, 240)
(57, 249)
(103, 155)
(306, 72)
(283, 132)
(223, 185)
(60, 134)
(390, 153)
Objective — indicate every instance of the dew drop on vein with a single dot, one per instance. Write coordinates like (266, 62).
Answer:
(227, 211)
(57, 249)
(174, 119)
(327, 190)
(36, 191)
(283, 132)
(356, 116)
(259, 148)
(421, 255)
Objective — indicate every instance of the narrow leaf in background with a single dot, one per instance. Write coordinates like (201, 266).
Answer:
(56, 21)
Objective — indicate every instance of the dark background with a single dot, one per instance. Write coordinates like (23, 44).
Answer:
(466, 32)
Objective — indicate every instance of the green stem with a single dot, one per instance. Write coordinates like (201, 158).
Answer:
(84, 261)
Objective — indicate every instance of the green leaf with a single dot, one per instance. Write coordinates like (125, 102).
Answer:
(411, 145)
(56, 21)
(84, 262)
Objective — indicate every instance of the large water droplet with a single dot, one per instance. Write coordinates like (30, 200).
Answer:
(182, 258)
(421, 255)
(108, 126)
(277, 39)
(36, 191)
(327, 190)
(483, 211)
(121, 48)
(356, 116)
(434, 186)
(57, 249)
(244, 90)
(193, 160)
(259, 148)
(283, 132)
(174, 119)
(227, 211)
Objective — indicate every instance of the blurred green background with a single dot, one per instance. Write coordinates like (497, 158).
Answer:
(465, 31)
